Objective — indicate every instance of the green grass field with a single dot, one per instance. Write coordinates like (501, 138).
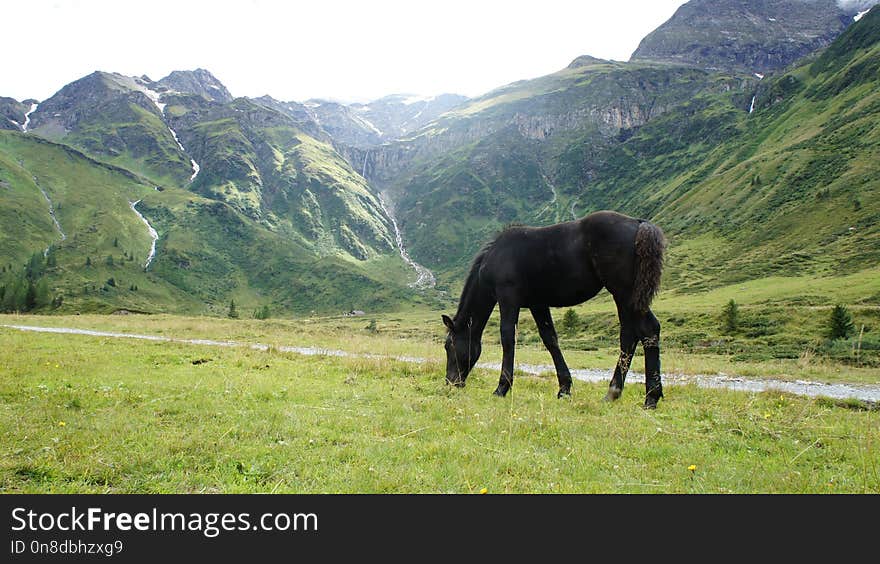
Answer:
(96, 414)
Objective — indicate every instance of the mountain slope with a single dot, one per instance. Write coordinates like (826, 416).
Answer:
(256, 159)
(206, 254)
(743, 35)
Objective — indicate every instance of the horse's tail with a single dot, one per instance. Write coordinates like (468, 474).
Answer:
(650, 246)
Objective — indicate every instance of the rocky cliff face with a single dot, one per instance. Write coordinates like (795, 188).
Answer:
(744, 35)
(591, 95)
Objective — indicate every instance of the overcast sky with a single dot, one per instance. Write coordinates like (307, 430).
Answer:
(348, 50)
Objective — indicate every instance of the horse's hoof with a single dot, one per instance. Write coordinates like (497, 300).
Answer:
(500, 392)
(563, 394)
(651, 403)
(613, 394)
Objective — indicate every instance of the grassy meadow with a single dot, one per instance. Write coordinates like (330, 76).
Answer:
(99, 414)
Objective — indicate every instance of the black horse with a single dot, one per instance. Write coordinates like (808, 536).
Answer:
(557, 266)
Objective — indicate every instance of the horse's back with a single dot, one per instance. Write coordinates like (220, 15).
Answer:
(542, 265)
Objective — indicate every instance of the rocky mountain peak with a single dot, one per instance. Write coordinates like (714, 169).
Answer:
(745, 35)
(585, 61)
(200, 82)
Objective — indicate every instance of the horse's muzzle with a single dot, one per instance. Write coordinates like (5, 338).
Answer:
(455, 381)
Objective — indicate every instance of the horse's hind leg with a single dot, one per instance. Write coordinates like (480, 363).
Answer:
(649, 334)
(544, 321)
(627, 349)
(628, 339)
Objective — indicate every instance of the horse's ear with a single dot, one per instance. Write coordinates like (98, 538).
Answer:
(448, 322)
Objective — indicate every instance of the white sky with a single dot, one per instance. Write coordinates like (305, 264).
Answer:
(291, 50)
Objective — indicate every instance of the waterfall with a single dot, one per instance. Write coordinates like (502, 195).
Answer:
(27, 117)
(195, 165)
(153, 234)
(51, 213)
(425, 278)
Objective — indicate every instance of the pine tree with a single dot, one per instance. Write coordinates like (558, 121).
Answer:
(30, 297)
(88, 261)
(15, 296)
(109, 260)
(232, 313)
(34, 267)
(840, 324)
(570, 321)
(730, 317)
(41, 293)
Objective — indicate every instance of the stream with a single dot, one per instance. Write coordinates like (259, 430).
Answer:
(864, 392)
(153, 234)
(51, 213)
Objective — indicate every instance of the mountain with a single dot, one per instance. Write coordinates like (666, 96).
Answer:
(382, 120)
(749, 177)
(249, 200)
(744, 35)
(116, 119)
(397, 115)
(495, 160)
(171, 195)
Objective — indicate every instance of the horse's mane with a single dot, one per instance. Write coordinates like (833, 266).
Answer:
(472, 282)
(473, 279)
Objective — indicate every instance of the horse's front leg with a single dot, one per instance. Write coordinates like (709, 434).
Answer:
(544, 321)
(509, 318)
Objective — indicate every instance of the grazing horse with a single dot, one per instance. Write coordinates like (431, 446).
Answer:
(557, 266)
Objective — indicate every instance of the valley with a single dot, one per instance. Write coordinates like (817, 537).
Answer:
(757, 157)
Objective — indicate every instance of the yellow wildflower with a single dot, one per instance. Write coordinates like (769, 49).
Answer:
(62, 424)
(484, 490)
(692, 467)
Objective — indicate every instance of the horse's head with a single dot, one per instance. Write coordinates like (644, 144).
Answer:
(462, 350)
